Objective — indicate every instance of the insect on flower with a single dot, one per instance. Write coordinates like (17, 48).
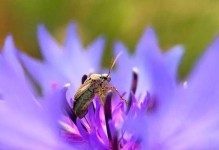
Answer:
(94, 84)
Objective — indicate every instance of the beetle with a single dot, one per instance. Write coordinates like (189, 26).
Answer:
(94, 84)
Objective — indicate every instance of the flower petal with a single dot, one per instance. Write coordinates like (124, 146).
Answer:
(172, 59)
(95, 51)
(50, 50)
(72, 42)
(46, 76)
(148, 44)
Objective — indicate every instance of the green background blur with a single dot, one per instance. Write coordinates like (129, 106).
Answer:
(193, 23)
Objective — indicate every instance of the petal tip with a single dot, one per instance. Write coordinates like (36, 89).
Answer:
(149, 31)
(72, 27)
(41, 27)
(9, 44)
(119, 47)
(42, 31)
(9, 40)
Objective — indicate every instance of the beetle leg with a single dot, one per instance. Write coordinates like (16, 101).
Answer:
(101, 93)
(113, 88)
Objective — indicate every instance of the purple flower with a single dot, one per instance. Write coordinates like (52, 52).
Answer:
(27, 122)
(63, 63)
(162, 112)
(187, 118)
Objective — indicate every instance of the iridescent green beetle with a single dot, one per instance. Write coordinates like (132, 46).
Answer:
(94, 84)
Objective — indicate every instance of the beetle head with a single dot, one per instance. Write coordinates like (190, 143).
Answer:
(105, 77)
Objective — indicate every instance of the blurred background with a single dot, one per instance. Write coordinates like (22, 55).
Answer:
(191, 23)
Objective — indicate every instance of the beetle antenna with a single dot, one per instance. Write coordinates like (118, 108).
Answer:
(114, 62)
